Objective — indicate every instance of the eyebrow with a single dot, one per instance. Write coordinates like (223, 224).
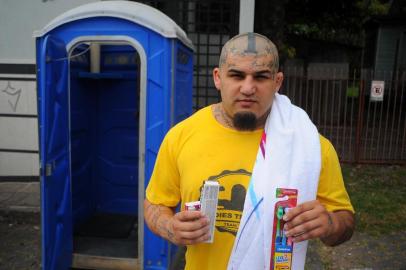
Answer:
(260, 72)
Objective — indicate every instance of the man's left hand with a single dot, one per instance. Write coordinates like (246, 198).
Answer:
(311, 220)
(307, 221)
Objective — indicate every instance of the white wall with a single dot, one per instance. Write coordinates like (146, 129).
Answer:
(247, 12)
(18, 105)
(18, 128)
(20, 18)
(18, 97)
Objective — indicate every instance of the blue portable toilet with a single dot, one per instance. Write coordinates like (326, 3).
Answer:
(113, 77)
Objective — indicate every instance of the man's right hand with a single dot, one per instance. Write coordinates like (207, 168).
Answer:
(188, 228)
(182, 228)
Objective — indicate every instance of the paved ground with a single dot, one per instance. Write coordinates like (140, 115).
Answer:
(362, 252)
(20, 197)
(20, 239)
(20, 246)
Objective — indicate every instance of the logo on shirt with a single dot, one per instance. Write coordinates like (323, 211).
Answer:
(231, 199)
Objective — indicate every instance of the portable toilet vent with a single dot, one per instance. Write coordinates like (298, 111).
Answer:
(113, 77)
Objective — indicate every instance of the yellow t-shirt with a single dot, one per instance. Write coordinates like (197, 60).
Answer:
(200, 149)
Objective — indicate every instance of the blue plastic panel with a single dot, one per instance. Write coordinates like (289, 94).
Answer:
(183, 82)
(82, 126)
(117, 145)
(157, 124)
(104, 129)
(104, 122)
(54, 151)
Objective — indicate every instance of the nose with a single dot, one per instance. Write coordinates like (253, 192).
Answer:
(248, 87)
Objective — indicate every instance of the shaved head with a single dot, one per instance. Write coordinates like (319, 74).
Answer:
(247, 78)
(251, 44)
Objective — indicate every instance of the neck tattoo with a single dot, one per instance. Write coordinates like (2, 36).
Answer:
(222, 116)
(226, 118)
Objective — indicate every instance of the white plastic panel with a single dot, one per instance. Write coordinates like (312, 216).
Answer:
(141, 14)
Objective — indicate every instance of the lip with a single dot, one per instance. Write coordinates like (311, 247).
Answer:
(246, 103)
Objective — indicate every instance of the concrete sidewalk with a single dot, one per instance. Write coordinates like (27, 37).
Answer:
(20, 196)
(20, 238)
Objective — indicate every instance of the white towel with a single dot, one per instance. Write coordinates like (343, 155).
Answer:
(288, 157)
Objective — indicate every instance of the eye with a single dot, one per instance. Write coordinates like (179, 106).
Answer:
(262, 77)
(236, 76)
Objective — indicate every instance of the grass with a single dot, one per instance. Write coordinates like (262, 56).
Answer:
(378, 194)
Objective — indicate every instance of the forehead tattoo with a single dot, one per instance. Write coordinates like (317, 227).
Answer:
(251, 44)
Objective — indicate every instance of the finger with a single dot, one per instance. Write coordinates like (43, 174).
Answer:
(191, 225)
(189, 215)
(307, 235)
(302, 218)
(198, 240)
(298, 210)
(304, 228)
(300, 237)
(196, 234)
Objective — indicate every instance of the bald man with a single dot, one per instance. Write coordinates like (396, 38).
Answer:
(220, 143)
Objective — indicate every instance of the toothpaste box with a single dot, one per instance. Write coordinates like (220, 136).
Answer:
(192, 206)
(208, 204)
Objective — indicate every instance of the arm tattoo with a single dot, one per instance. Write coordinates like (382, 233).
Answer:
(158, 221)
(330, 224)
(330, 220)
(155, 213)
(162, 226)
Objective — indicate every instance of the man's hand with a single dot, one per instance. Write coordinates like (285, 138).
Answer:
(189, 227)
(182, 228)
(311, 220)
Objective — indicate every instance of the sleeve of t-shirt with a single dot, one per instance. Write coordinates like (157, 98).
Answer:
(163, 186)
(331, 191)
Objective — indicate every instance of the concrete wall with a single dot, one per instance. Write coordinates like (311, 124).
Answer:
(18, 106)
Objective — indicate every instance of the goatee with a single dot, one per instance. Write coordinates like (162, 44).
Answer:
(245, 121)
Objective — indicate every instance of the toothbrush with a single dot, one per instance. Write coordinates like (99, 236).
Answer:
(288, 239)
(279, 215)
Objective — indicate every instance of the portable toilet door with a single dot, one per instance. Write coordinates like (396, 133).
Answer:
(112, 77)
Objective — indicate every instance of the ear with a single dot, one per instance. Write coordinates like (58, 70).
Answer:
(278, 81)
(216, 78)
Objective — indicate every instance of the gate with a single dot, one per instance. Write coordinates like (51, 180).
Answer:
(363, 128)
(209, 24)
(337, 100)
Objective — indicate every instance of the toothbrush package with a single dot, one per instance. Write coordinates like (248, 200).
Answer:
(282, 246)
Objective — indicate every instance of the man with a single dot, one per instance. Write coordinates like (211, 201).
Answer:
(220, 143)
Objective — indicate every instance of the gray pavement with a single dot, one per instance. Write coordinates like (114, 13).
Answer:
(20, 196)
(20, 238)
(20, 246)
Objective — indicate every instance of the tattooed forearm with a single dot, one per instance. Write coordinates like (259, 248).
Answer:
(163, 227)
(343, 222)
(157, 218)
(155, 213)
